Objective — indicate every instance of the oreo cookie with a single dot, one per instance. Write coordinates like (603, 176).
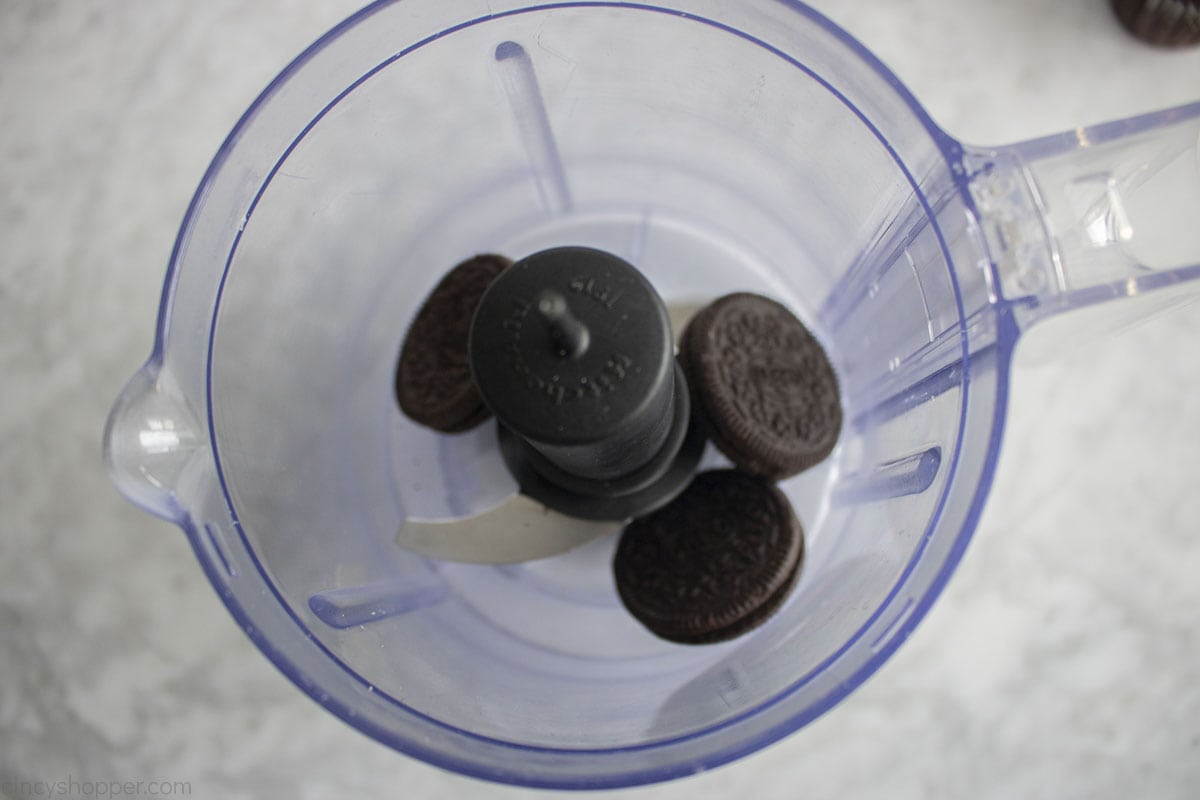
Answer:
(712, 564)
(763, 384)
(1166, 23)
(433, 379)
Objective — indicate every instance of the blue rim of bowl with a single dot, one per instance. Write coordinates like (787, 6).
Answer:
(1007, 334)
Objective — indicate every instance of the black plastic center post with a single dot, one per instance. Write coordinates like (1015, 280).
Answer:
(571, 348)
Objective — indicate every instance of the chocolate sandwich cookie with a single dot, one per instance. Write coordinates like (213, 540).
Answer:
(433, 377)
(1167, 23)
(763, 384)
(712, 564)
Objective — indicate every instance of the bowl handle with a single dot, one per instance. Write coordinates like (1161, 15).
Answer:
(1094, 214)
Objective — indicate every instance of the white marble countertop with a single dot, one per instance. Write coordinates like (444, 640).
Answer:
(1061, 662)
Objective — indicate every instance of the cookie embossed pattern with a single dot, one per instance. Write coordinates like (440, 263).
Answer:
(433, 377)
(715, 563)
(765, 384)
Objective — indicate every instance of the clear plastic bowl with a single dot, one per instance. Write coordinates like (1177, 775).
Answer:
(719, 146)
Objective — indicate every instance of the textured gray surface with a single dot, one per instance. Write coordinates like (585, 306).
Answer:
(1059, 663)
